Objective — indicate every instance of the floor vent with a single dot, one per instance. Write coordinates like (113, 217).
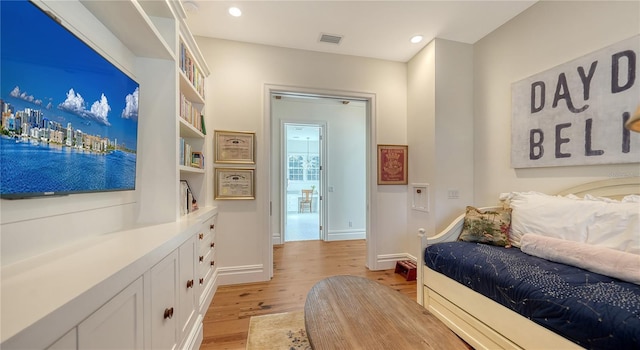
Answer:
(330, 38)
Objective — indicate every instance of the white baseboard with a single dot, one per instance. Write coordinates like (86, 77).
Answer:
(241, 274)
(336, 235)
(388, 261)
(345, 235)
(255, 273)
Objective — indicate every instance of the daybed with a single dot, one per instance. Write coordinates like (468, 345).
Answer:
(562, 306)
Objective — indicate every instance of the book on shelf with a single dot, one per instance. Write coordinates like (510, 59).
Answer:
(181, 148)
(188, 202)
(184, 187)
(190, 113)
(191, 70)
(190, 158)
(202, 127)
(185, 153)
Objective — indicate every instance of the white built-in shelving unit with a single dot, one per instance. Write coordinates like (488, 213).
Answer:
(148, 283)
(172, 72)
(192, 126)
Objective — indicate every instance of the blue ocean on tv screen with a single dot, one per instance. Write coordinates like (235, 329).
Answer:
(37, 168)
(69, 117)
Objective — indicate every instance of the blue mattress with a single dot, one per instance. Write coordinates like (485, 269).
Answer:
(592, 310)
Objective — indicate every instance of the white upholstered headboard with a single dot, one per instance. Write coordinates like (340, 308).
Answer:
(615, 188)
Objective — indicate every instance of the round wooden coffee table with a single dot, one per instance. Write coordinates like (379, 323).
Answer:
(350, 312)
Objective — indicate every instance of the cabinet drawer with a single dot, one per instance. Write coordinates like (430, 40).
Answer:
(205, 275)
(205, 264)
(205, 246)
(210, 226)
(203, 236)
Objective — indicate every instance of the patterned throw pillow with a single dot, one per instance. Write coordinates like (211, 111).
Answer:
(490, 227)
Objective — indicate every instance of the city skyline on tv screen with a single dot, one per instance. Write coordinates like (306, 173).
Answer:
(59, 96)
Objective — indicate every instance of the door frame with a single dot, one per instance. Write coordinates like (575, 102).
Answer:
(371, 165)
(322, 218)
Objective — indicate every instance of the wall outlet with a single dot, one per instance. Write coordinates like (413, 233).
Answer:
(350, 223)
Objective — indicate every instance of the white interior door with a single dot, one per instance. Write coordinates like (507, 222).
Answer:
(302, 170)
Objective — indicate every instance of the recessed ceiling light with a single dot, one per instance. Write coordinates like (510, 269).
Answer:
(235, 12)
(416, 39)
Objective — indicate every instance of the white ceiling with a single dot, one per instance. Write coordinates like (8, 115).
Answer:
(376, 29)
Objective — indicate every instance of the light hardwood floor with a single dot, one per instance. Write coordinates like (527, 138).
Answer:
(297, 267)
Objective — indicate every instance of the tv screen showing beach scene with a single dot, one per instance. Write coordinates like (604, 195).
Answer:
(69, 116)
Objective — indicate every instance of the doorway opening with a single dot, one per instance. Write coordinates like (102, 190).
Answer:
(302, 163)
(322, 167)
(348, 176)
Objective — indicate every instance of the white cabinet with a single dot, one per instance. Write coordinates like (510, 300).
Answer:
(173, 299)
(164, 292)
(206, 265)
(145, 288)
(187, 287)
(121, 316)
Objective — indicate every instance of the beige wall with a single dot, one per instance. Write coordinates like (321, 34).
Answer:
(440, 131)
(546, 35)
(235, 101)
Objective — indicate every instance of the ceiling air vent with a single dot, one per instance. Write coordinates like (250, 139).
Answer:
(330, 38)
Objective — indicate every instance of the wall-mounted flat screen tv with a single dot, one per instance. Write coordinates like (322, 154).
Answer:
(69, 116)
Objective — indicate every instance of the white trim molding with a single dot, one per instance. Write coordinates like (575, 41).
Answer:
(388, 261)
(240, 274)
(344, 235)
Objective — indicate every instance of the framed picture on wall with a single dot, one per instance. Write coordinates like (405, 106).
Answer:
(234, 183)
(234, 147)
(392, 164)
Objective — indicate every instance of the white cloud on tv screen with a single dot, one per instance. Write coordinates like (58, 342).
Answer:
(75, 104)
(130, 110)
(23, 95)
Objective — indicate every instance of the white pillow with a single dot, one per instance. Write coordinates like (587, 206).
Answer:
(617, 226)
(611, 224)
(605, 261)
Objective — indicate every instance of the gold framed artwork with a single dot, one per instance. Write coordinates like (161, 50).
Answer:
(234, 183)
(392, 164)
(234, 147)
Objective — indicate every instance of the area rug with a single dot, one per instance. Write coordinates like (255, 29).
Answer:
(278, 331)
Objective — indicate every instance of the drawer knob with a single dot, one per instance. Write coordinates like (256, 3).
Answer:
(212, 226)
(213, 244)
(168, 313)
(201, 258)
(201, 236)
(213, 262)
(189, 284)
(201, 280)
